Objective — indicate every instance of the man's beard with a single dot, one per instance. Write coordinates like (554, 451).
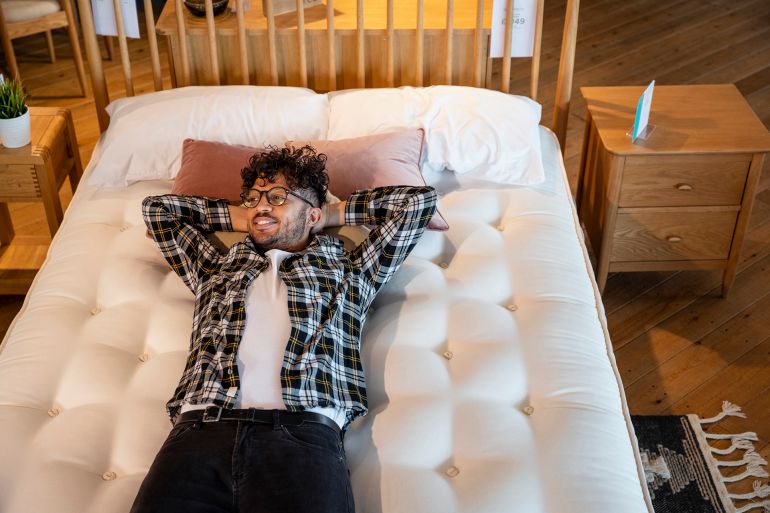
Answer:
(286, 237)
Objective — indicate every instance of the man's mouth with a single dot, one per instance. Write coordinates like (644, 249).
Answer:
(263, 223)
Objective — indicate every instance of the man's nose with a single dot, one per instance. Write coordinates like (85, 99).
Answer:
(265, 205)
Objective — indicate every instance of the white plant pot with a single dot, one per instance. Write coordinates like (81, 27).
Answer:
(15, 132)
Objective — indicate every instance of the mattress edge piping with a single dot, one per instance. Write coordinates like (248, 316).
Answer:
(605, 330)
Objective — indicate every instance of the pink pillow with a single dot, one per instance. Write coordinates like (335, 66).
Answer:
(212, 169)
(374, 161)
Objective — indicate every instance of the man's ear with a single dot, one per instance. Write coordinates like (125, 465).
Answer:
(314, 215)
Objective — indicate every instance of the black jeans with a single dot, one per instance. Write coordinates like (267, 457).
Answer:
(237, 466)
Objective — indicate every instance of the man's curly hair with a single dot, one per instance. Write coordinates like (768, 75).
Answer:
(303, 169)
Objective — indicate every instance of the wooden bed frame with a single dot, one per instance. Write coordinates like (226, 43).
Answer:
(468, 52)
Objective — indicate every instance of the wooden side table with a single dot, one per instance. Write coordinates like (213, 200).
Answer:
(34, 173)
(680, 199)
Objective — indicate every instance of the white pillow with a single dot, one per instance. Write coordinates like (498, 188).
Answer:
(361, 112)
(487, 134)
(144, 140)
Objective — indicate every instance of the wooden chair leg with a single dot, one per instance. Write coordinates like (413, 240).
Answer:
(51, 50)
(6, 228)
(10, 57)
(109, 46)
(75, 43)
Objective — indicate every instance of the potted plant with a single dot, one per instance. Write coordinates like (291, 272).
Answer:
(14, 114)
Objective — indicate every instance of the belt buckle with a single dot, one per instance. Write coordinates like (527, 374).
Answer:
(209, 417)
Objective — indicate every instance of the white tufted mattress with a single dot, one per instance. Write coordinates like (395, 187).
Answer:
(491, 379)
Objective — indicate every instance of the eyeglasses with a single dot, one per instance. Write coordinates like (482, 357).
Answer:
(276, 196)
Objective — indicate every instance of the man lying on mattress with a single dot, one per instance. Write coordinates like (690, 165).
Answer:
(274, 376)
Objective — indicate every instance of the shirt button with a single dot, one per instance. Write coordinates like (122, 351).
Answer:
(443, 265)
(53, 412)
(512, 307)
(95, 310)
(144, 357)
(109, 476)
(452, 471)
(529, 410)
(448, 355)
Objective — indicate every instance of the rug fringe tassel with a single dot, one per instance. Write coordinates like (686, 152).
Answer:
(763, 504)
(740, 436)
(760, 491)
(728, 409)
(737, 444)
(751, 456)
(753, 469)
(754, 461)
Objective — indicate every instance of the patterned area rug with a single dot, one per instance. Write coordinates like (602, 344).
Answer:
(683, 470)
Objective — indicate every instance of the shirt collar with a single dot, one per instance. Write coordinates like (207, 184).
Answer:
(319, 240)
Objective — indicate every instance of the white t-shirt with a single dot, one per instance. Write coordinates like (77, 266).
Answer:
(261, 349)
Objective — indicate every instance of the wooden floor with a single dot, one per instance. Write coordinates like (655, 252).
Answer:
(680, 348)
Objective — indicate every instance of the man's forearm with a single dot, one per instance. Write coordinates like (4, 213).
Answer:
(334, 214)
(238, 218)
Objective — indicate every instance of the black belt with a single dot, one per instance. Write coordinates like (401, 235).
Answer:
(275, 417)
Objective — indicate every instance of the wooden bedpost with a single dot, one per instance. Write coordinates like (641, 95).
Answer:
(98, 83)
(566, 68)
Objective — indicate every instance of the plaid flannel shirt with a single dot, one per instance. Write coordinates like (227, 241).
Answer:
(329, 293)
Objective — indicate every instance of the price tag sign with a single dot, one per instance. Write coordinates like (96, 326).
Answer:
(104, 18)
(523, 28)
(641, 129)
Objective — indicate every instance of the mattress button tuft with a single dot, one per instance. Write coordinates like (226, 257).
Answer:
(95, 310)
(512, 307)
(448, 355)
(144, 357)
(452, 471)
(529, 410)
(123, 228)
(443, 265)
(53, 412)
(109, 476)
(500, 228)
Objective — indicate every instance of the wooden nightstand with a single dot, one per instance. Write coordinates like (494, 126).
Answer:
(35, 173)
(680, 199)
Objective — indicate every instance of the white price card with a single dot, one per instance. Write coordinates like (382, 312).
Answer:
(523, 28)
(640, 129)
(104, 18)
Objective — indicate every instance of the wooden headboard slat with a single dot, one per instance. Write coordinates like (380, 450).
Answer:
(564, 78)
(212, 33)
(505, 84)
(123, 45)
(271, 50)
(331, 41)
(420, 51)
(149, 21)
(302, 51)
(94, 58)
(450, 23)
(242, 51)
(534, 76)
(360, 55)
(182, 31)
(391, 57)
(477, 42)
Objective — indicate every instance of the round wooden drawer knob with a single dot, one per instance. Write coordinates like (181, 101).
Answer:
(674, 238)
(684, 187)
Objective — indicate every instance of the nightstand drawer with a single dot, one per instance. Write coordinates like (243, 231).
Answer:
(18, 182)
(671, 235)
(688, 180)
